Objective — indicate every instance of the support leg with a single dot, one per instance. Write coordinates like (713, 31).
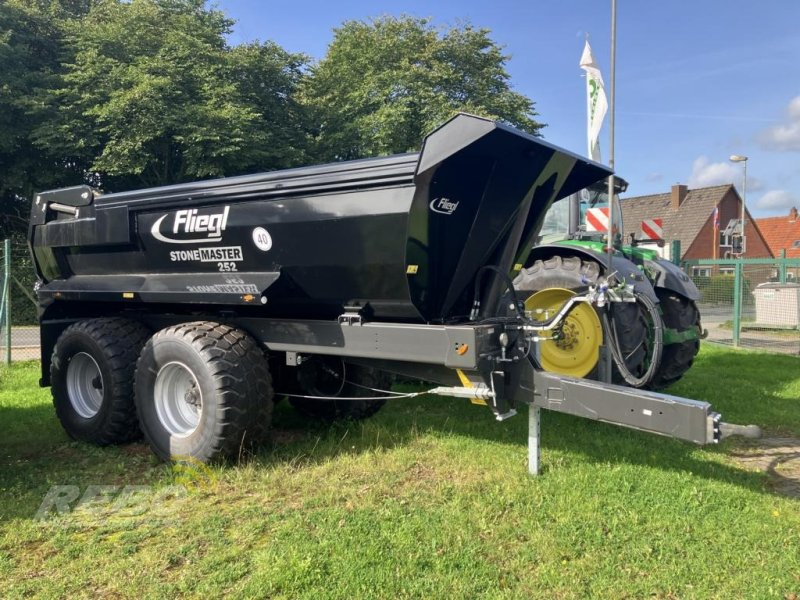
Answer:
(534, 439)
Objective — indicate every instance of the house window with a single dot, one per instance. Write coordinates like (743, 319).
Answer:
(790, 276)
(796, 244)
(726, 270)
(701, 271)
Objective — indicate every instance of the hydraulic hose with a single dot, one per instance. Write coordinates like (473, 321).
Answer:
(476, 303)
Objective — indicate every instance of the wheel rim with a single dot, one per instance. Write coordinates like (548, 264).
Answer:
(577, 351)
(84, 385)
(178, 399)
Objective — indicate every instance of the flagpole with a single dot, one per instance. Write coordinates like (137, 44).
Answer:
(714, 235)
(589, 114)
(611, 133)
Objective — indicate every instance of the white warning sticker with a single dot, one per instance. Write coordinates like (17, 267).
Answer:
(224, 288)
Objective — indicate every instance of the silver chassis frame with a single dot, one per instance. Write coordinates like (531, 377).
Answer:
(476, 351)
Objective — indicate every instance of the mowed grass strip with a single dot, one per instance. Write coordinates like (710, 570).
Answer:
(430, 498)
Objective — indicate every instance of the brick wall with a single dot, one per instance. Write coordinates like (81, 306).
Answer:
(703, 246)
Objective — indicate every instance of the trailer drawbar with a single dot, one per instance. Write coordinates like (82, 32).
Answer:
(181, 311)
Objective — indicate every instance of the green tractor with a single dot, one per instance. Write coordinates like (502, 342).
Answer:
(645, 329)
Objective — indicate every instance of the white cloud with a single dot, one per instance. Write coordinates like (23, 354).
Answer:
(785, 136)
(794, 108)
(705, 174)
(654, 177)
(775, 200)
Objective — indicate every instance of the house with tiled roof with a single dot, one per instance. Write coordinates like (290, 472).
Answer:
(783, 237)
(688, 216)
(782, 234)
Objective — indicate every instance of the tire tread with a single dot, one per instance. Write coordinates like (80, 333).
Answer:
(120, 340)
(349, 410)
(681, 314)
(242, 381)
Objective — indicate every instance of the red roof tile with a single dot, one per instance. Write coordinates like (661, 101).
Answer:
(782, 233)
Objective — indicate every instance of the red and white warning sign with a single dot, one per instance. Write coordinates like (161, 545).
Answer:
(652, 229)
(597, 219)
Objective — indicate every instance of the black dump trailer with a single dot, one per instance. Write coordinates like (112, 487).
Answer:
(181, 311)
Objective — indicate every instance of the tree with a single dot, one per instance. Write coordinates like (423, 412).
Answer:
(267, 78)
(155, 96)
(384, 84)
(31, 48)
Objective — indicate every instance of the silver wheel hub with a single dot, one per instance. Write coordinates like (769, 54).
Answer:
(84, 385)
(178, 399)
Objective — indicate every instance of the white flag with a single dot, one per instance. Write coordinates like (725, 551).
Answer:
(597, 105)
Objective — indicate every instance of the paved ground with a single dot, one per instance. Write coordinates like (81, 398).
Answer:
(24, 336)
(779, 457)
(717, 321)
(24, 343)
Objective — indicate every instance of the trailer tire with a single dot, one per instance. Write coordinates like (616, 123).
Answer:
(574, 274)
(681, 314)
(91, 377)
(345, 380)
(203, 391)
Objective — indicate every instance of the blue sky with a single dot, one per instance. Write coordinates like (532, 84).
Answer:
(696, 81)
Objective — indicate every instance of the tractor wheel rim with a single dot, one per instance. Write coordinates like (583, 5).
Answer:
(84, 385)
(578, 351)
(178, 399)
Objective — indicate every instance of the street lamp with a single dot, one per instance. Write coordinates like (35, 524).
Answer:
(738, 158)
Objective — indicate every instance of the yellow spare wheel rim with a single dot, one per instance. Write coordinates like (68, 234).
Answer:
(577, 349)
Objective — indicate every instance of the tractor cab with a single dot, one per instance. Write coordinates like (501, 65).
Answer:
(584, 215)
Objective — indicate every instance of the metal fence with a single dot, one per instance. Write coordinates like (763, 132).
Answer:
(751, 302)
(19, 334)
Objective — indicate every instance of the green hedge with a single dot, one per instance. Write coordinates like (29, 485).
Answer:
(720, 288)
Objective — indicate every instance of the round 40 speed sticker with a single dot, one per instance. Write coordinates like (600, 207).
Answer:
(262, 239)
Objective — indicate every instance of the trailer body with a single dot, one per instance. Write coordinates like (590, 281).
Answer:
(405, 234)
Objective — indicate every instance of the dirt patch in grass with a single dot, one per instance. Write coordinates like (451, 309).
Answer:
(139, 449)
(779, 457)
(283, 437)
(420, 473)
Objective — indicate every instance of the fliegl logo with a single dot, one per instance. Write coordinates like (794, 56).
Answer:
(192, 227)
(443, 206)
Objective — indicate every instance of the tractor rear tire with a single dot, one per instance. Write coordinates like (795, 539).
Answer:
(91, 375)
(203, 391)
(681, 314)
(574, 274)
(329, 376)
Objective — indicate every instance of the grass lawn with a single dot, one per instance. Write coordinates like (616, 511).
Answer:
(430, 498)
